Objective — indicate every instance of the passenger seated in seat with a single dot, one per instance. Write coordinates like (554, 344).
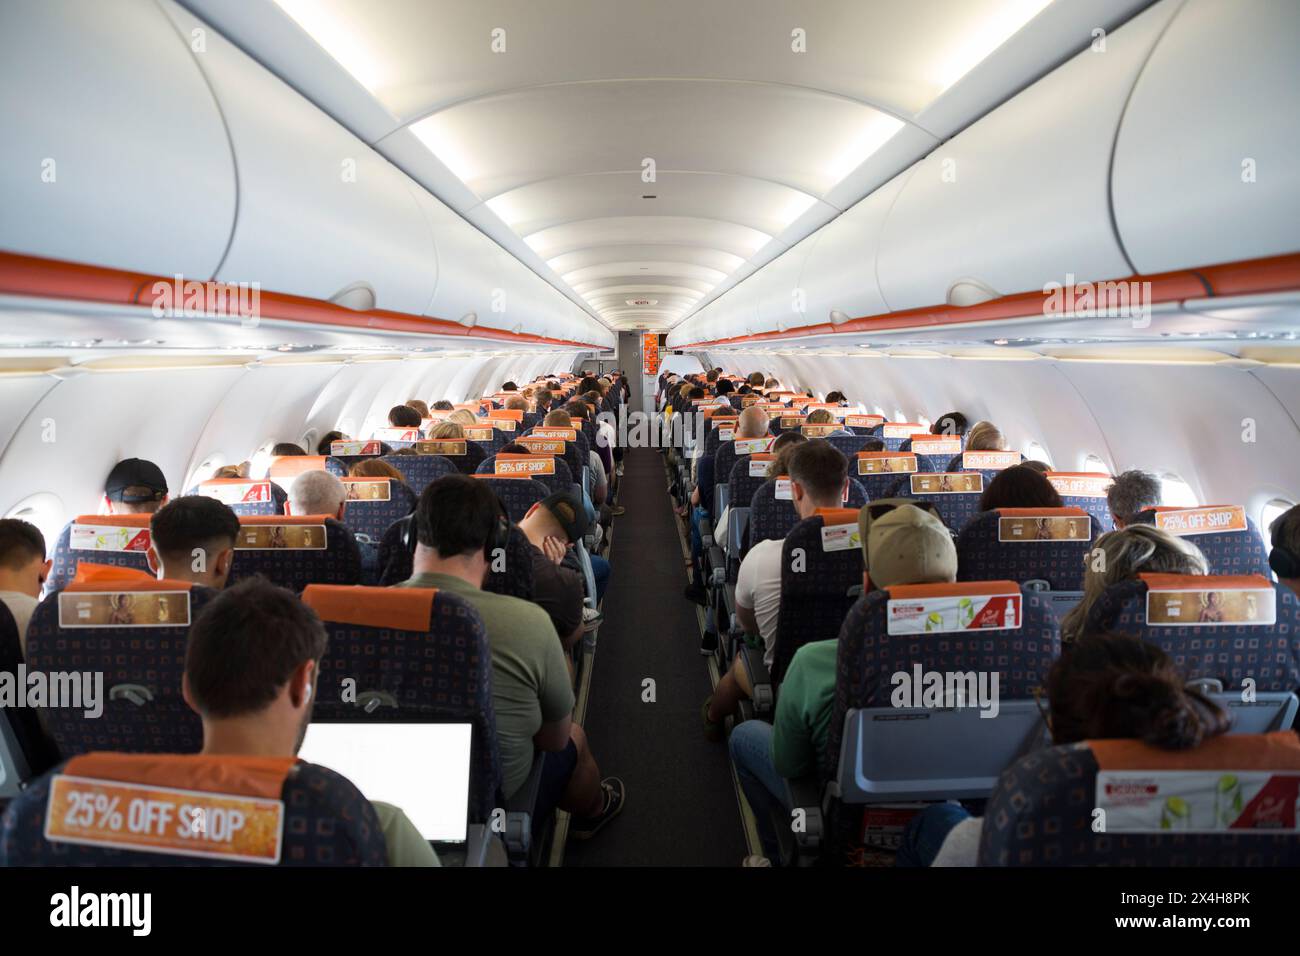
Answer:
(286, 449)
(1284, 559)
(1103, 687)
(447, 429)
(374, 468)
(251, 664)
(463, 416)
(404, 416)
(134, 486)
(985, 436)
(317, 493)
(442, 405)
(949, 423)
(551, 527)
(837, 397)
(457, 521)
(823, 416)
(241, 470)
(783, 447)
(23, 570)
(192, 538)
(323, 446)
(1132, 492)
(818, 478)
(1119, 555)
(902, 544)
(1019, 487)
(420, 407)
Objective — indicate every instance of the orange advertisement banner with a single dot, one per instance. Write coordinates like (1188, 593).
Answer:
(1080, 484)
(1214, 519)
(989, 460)
(524, 465)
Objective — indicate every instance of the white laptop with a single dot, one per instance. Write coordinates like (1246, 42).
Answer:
(421, 768)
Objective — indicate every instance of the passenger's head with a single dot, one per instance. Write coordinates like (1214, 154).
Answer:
(696, 393)
(1120, 555)
(771, 383)
(949, 423)
(725, 387)
(456, 521)
(1041, 467)
(782, 447)
(509, 387)
(514, 448)
(560, 516)
(752, 423)
(1131, 492)
(905, 544)
(756, 379)
(558, 419)
(517, 403)
(821, 416)
(286, 449)
(233, 471)
(1019, 487)
(134, 486)
(836, 396)
(193, 539)
(374, 468)
(1109, 686)
(818, 476)
(544, 399)
(463, 416)
(23, 567)
(985, 436)
(403, 416)
(252, 664)
(323, 446)
(711, 375)
(420, 407)
(577, 410)
(1284, 559)
(317, 493)
(442, 405)
(447, 429)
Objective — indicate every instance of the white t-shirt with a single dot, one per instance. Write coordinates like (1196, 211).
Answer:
(961, 847)
(758, 587)
(21, 607)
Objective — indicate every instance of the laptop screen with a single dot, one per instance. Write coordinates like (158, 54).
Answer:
(423, 769)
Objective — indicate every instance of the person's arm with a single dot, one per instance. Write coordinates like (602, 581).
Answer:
(406, 847)
(554, 692)
(746, 581)
(793, 752)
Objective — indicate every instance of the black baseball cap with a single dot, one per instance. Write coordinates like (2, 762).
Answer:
(568, 510)
(135, 473)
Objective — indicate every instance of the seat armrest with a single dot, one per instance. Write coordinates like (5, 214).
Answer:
(764, 696)
(804, 797)
(706, 533)
(717, 566)
(519, 809)
(729, 599)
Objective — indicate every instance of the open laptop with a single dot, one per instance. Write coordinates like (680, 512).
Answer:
(421, 768)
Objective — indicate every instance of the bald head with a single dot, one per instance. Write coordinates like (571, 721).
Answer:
(753, 423)
(317, 493)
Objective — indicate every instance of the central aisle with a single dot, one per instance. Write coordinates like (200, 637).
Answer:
(681, 803)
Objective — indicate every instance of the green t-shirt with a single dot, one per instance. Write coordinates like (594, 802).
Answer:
(405, 845)
(803, 711)
(530, 681)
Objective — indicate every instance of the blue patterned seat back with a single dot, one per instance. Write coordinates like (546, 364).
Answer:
(339, 562)
(815, 587)
(372, 517)
(562, 480)
(34, 745)
(396, 559)
(741, 485)
(516, 494)
(771, 518)
(957, 508)
(1268, 654)
(263, 497)
(421, 470)
(1042, 811)
(512, 577)
(327, 822)
(118, 540)
(1228, 552)
(142, 667)
(440, 672)
(982, 557)
(846, 445)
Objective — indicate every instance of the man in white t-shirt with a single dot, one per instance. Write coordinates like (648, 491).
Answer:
(818, 479)
(23, 570)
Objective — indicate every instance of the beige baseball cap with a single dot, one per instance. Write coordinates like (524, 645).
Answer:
(905, 544)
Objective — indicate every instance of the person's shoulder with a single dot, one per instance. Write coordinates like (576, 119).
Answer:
(526, 611)
(815, 653)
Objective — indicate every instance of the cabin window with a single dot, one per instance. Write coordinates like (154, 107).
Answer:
(877, 410)
(260, 462)
(46, 512)
(1093, 463)
(899, 416)
(1176, 493)
(1271, 511)
(1036, 452)
(204, 470)
(922, 420)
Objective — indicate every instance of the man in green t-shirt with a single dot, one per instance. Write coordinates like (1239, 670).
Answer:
(902, 544)
(460, 527)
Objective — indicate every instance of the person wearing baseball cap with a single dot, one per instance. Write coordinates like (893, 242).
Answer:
(552, 526)
(902, 544)
(134, 486)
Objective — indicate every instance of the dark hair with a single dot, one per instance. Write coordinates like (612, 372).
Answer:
(1131, 492)
(244, 646)
(1019, 487)
(283, 448)
(191, 522)
(820, 467)
(1041, 467)
(784, 439)
(836, 396)
(323, 446)
(1113, 686)
(873, 444)
(950, 423)
(695, 392)
(21, 542)
(553, 385)
(509, 387)
(756, 378)
(456, 516)
(711, 375)
(442, 405)
(724, 386)
(577, 409)
(744, 390)
(514, 448)
(544, 397)
(403, 416)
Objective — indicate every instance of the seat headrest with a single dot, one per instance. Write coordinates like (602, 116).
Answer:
(479, 433)
(562, 434)
(289, 532)
(936, 444)
(945, 483)
(752, 446)
(400, 609)
(863, 421)
(514, 464)
(1195, 600)
(356, 447)
(1207, 519)
(291, 466)
(1019, 525)
(885, 462)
